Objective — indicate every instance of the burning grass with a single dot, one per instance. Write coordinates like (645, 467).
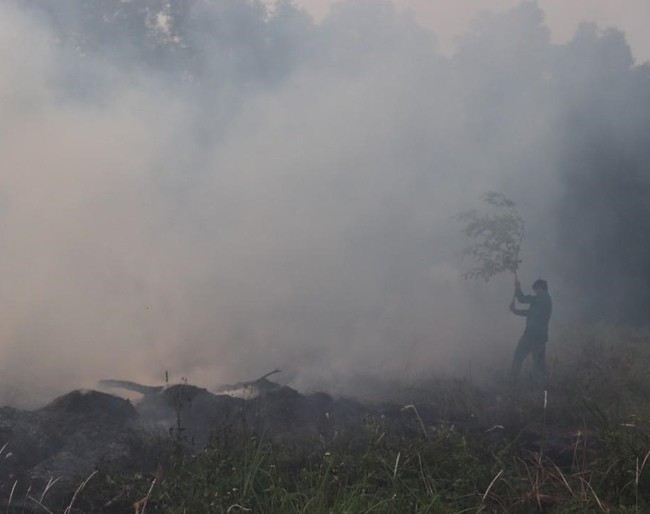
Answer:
(580, 443)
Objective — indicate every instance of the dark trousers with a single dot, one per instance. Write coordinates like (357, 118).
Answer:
(525, 347)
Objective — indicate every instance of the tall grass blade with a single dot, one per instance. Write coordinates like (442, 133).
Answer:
(11, 495)
(489, 487)
(68, 509)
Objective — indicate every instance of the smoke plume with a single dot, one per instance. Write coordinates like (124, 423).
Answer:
(218, 188)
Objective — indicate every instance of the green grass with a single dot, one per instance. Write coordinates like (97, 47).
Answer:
(581, 443)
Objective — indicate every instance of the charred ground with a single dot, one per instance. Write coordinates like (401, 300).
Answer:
(578, 445)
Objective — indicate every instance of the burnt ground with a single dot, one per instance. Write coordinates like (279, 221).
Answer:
(62, 443)
(76, 433)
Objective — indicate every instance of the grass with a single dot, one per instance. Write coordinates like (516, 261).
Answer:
(581, 443)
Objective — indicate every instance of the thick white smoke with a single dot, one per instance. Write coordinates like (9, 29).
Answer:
(249, 191)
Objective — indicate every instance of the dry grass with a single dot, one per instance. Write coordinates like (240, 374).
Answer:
(580, 444)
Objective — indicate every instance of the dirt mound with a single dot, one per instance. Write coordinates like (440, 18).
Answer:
(82, 405)
(65, 440)
(189, 414)
(84, 430)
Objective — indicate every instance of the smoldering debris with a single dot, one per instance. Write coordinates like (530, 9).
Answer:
(86, 430)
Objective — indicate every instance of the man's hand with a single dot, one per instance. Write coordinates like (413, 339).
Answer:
(512, 306)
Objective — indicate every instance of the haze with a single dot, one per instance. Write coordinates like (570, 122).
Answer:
(216, 190)
(450, 20)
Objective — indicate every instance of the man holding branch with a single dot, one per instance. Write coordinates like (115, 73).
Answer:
(535, 336)
(497, 234)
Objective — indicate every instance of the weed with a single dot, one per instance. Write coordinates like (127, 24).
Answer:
(490, 451)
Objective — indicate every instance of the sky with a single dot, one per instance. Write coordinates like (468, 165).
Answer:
(450, 19)
(232, 191)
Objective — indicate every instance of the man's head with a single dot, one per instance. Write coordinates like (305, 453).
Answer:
(540, 286)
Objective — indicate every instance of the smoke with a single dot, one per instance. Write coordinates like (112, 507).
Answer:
(217, 189)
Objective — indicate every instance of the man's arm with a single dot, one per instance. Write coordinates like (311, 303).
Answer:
(518, 312)
(520, 296)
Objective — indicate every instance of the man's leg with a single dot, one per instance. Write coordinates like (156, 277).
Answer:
(539, 361)
(521, 352)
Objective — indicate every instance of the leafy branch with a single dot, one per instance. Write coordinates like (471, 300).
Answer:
(497, 234)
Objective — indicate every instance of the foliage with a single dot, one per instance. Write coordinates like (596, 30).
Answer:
(497, 234)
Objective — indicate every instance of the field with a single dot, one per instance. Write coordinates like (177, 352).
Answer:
(579, 443)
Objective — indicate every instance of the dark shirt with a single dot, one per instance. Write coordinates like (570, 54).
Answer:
(537, 315)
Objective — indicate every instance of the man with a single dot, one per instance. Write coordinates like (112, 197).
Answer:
(533, 341)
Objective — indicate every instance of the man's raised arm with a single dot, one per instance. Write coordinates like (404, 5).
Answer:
(518, 312)
(520, 296)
